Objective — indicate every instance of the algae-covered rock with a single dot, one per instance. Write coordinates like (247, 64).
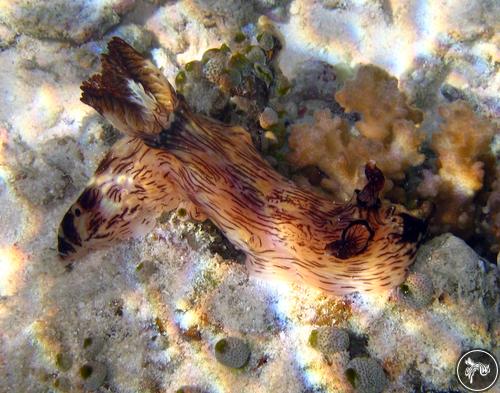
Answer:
(236, 77)
(268, 118)
(329, 339)
(430, 335)
(458, 272)
(366, 375)
(232, 352)
(64, 361)
(417, 290)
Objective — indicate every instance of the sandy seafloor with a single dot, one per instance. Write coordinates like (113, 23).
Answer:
(154, 329)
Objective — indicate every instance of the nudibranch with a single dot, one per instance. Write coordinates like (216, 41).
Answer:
(172, 157)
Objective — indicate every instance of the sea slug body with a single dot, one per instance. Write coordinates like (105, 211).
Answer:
(173, 157)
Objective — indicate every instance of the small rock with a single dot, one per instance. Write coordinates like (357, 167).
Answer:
(204, 97)
(329, 339)
(291, 110)
(145, 270)
(268, 118)
(366, 375)
(271, 138)
(455, 269)
(417, 290)
(318, 81)
(232, 352)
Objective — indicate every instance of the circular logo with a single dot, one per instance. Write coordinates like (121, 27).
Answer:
(477, 370)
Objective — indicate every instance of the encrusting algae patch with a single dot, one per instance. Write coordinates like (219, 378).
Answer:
(174, 156)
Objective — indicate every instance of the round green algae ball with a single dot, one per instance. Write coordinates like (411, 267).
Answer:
(62, 384)
(232, 352)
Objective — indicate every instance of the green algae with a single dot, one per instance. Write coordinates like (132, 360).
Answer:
(86, 371)
(313, 338)
(64, 361)
(239, 37)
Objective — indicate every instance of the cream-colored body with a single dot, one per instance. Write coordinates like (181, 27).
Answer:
(214, 170)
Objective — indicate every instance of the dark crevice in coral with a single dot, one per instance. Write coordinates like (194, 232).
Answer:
(221, 245)
(358, 345)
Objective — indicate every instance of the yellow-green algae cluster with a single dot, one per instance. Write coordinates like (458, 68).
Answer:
(238, 82)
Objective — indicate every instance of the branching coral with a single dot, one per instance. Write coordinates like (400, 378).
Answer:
(462, 146)
(375, 94)
(456, 182)
(388, 129)
(325, 143)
